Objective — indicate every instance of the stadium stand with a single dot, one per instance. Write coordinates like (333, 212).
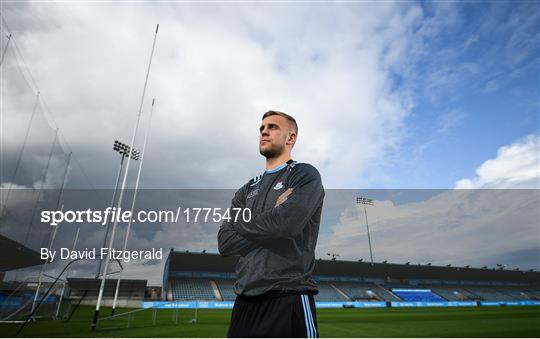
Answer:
(210, 277)
(226, 289)
(152, 293)
(487, 293)
(518, 293)
(191, 288)
(15, 255)
(327, 292)
(535, 294)
(414, 294)
(89, 287)
(365, 292)
(449, 293)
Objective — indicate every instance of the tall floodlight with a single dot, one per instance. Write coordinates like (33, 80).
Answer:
(120, 196)
(124, 151)
(365, 201)
(133, 203)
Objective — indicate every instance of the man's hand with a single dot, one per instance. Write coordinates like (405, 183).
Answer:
(283, 197)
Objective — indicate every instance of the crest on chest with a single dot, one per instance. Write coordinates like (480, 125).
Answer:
(278, 186)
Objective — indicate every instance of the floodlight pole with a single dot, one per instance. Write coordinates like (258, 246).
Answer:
(119, 204)
(133, 203)
(365, 201)
(98, 271)
(124, 151)
(131, 153)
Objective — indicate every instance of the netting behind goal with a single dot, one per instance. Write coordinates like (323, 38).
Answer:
(145, 317)
(18, 302)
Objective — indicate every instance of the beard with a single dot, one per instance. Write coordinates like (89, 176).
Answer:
(272, 151)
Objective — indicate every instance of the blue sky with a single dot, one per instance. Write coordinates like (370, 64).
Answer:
(387, 95)
(477, 90)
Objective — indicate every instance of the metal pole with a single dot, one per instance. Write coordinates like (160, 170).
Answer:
(74, 244)
(369, 237)
(5, 49)
(41, 186)
(21, 153)
(112, 204)
(100, 295)
(45, 295)
(133, 201)
(53, 236)
(43, 266)
(33, 213)
(77, 306)
(63, 181)
(60, 194)
(76, 238)
(60, 301)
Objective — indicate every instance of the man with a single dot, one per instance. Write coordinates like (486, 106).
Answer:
(277, 246)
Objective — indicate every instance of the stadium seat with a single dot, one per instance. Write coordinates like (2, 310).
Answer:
(191, 288)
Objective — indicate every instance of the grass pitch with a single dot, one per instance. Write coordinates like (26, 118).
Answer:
(387, 322)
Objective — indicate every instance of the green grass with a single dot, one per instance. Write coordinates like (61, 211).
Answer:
(394, 322)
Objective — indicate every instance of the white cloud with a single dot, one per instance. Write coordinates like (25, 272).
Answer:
(516, 166)
(458, 227)
(216, 70)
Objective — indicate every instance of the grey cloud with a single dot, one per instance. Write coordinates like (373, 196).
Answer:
(216, 70)
(456, 227)
(522, 258)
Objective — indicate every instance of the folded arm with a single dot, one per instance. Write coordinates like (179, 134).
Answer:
(229, 241)
(289, 218)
